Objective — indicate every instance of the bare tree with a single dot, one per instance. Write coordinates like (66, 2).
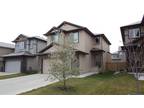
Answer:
(135, 57)
(64, 62)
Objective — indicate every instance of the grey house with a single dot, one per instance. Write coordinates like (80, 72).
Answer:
(24, 58)
(5, 48)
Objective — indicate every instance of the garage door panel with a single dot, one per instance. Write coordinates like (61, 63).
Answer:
(13, 66)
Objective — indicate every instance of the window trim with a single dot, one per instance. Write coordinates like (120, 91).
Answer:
(52, 37)
(73, 38)
(135, 36)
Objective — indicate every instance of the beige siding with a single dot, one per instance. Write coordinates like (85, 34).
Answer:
(32, 63)
(85, 44)
(68, 27)
(104, 45)
(41, 45)
(4, 51)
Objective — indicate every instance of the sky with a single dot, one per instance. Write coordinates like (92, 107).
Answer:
(36, 17)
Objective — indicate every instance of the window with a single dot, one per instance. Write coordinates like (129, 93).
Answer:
(134, 33)
(74, 37)
(55, 37)
(97, 40)
(20, 45)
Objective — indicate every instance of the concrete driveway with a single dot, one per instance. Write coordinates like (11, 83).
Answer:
(22, 84)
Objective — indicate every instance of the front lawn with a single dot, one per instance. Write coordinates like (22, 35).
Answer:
(12, 76)
(101, 84)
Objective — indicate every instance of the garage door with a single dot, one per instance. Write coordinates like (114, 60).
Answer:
(45, 66)
(12, 66)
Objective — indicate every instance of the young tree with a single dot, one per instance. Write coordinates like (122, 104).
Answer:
(63, 62)
(135, 57)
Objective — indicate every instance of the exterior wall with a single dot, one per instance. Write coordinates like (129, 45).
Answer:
(31, 45)
(101, 45)
(41, 45)
(85, 42)
(126, 34)
(105, 60)
(68, 27)
(32, 64)
(104, 45)
(4, 51)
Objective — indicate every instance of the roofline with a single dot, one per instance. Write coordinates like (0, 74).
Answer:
(33, 37)
(37, 38)
(104, 37)
(66, 22)
(7, 47)
(130, 26)
(47, 47)
(80, 28)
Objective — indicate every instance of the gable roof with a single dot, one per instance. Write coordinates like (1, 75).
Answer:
(49, 46)
(18, 54)
(53, 43)
(104, 37)
(65, 22)
(7, 45)
(78, 28)
(69, 23)
(133, 25)
(27, 37)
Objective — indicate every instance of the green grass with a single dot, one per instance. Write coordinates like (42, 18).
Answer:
(12, 76)
(101, 84)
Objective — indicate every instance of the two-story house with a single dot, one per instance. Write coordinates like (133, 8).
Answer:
(92, 49)
(133, 37)
(24, 58)
(5, 48)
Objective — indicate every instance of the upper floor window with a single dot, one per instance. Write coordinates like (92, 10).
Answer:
(97, 40)
(134, 33)
(20, 45)
(74, 37)
(55, 37)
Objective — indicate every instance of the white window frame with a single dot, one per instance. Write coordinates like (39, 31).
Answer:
(74, 36)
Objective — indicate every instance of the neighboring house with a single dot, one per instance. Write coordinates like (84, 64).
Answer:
(119, 56)
(5, 48)
(133, 35)
(24, 58)
(92, 49)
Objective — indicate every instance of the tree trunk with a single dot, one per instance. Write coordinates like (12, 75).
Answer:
(64, 81)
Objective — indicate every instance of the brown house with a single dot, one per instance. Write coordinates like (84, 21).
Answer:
(133, 40)
(93, 49)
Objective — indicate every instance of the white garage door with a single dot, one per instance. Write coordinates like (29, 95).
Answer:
(45, 66)
(13, 66)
